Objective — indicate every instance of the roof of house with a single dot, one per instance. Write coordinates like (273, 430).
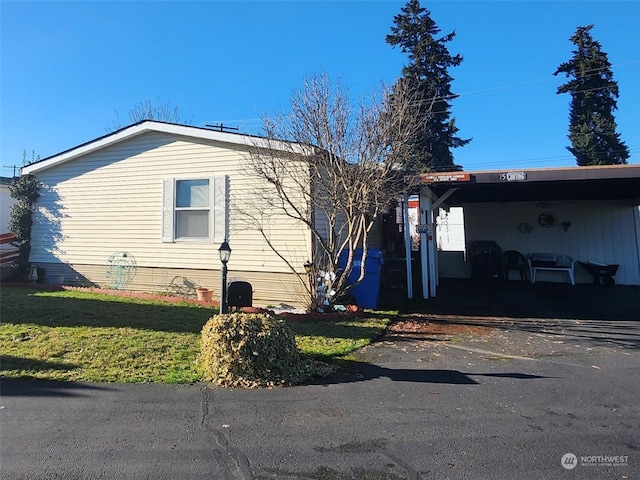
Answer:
(146, 126)
(602, 182)
(563, 183)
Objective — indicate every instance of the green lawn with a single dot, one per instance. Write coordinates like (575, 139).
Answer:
(81, 336)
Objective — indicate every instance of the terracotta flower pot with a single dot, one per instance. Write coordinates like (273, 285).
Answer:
(204, 294)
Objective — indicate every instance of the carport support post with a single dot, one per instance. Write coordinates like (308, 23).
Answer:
(407, 244)
(433, 253)
(425, 204)
(429, 203)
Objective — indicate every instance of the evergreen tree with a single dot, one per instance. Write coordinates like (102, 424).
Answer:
(592, 127)
(426, 74)
(25, 190)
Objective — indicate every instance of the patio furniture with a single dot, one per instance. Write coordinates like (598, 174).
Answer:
(601, 271)
(514, 260)
(487, 260)
(556, 262)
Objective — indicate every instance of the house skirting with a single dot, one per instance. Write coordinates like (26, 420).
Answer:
(269, 288)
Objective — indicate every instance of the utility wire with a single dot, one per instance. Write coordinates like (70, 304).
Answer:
(596, 71)
(533, 161)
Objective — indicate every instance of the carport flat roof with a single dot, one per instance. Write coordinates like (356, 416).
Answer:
(603, 182)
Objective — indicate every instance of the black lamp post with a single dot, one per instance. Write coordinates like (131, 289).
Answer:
(308, 267)
(225, 253)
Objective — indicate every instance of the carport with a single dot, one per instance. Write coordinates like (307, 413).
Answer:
(518, 207)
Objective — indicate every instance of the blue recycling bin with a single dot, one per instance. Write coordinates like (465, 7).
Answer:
(366, 294)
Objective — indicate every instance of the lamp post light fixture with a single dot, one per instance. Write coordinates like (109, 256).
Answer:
(307, 266)
(225, 253)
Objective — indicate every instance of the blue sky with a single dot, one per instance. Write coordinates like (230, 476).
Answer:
(67, 67)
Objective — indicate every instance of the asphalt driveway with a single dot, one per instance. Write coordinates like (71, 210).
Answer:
(486, 398)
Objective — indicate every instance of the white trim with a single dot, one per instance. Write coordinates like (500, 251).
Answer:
(168, 211)
(219, 204)
(407, 244)
(169, 128)
(432, 251)
(218, 223)
(424, 205)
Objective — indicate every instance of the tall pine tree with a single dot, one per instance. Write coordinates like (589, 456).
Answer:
(592, 126)
(427, 77)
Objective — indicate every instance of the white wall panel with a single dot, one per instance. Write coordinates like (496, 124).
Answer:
(602, 232)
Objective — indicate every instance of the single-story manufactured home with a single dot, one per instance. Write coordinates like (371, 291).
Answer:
(146, 208)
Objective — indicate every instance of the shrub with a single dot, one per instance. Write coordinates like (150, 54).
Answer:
(25, 190)
(253, 350)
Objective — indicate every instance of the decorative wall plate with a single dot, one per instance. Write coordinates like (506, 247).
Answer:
(547, 220)
(525, 227)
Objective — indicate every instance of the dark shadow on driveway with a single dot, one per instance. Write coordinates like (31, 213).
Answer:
(42, 388)
(350, 372)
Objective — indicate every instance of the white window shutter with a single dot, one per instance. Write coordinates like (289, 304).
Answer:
(168, 187)
(220, 199)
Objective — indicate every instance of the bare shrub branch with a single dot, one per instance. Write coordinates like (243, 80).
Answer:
(333, 168)
(147, 110)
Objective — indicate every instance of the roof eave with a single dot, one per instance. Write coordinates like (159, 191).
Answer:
(162, 127)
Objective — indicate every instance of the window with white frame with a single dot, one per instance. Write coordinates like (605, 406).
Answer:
(194, 209)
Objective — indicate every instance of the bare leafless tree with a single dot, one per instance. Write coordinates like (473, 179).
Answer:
(147, 110)
(339, 169)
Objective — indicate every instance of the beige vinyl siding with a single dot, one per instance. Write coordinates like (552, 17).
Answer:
(111, 200)
(602, 231)
(269, 288)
